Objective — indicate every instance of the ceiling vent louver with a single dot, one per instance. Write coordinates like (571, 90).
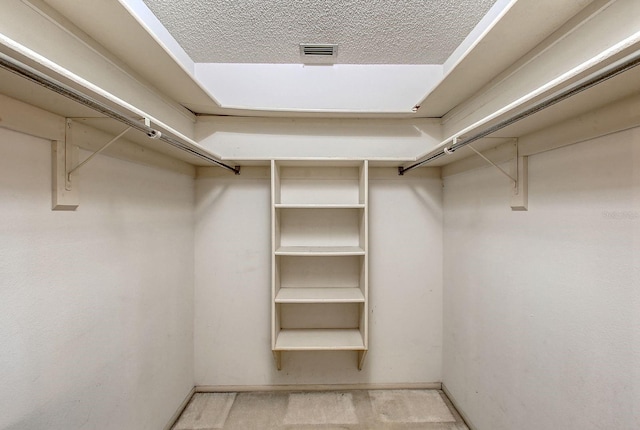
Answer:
(315, 53)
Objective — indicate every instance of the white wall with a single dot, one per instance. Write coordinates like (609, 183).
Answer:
(96, 305)
(542, 308)
(233, 290)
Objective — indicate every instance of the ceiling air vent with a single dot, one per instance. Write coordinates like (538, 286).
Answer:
(316, 53)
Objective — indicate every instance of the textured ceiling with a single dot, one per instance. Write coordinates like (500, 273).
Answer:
(367, 31)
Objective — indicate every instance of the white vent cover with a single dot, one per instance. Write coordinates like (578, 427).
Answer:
(318, 53)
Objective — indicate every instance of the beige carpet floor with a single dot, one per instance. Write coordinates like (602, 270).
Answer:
(348, 410)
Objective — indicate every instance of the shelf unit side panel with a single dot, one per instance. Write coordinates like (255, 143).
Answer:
(275, 183)
(364, 314)
(364, 240)
(275, 233)
(363, 183)
(277, 278)
(362, 279)
(277, 322)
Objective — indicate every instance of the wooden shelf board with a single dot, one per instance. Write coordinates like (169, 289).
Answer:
(320, 250)
(319, 206)
(319, 340)
(320, 295)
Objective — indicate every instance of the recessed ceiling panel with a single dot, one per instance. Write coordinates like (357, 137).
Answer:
(367, 32)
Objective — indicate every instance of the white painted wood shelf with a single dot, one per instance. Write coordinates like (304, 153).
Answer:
(318, 206)
(319, 340)
(319, 257)
(320, 295)
(319, 250)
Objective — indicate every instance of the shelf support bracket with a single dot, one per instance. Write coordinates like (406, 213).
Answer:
(519, 175)
(520, 195)
(64, 196)
(65, 166)
(514, 179)
(90, 157)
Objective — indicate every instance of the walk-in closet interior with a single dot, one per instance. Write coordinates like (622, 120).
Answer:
(321, 204)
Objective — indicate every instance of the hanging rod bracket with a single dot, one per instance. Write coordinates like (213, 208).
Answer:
(154, 134)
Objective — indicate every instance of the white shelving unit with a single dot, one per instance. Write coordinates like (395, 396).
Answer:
(319, 257)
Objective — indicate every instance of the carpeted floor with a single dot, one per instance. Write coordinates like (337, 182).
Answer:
(372, 409)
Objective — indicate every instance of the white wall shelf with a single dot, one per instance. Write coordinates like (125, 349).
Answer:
(320, 250)
(319, 340)
(319, 257)
(318, 206)
(319, 295)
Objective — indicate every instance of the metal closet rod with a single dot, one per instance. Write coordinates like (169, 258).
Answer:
(43, 80)
(583, 85)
